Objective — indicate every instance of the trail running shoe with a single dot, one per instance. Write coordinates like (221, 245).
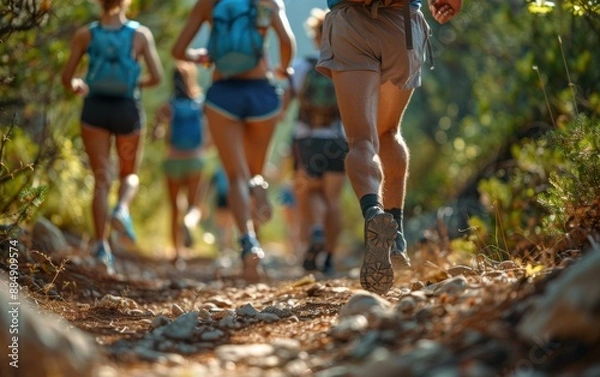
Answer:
(121, 222)
(252, 253)
(105, 256)
(398, 255)
(376, 273)
(317, 245)
(328, 268)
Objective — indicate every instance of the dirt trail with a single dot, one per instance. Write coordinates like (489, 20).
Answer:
(441, 319)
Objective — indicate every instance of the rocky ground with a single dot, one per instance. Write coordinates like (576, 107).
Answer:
(449, 316)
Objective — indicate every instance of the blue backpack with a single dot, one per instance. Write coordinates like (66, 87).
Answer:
(235, 44)
(112, 69)
(186, 123)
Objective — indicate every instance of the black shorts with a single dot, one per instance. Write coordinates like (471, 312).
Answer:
(319, 155)
(120, 116)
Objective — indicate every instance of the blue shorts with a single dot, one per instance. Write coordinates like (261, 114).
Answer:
(119, 116)
(244, 100)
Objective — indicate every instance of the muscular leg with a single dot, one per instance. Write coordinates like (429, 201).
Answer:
(357, 94)
(97, 146)
(358, 98)
(393, 150)
(394, 157)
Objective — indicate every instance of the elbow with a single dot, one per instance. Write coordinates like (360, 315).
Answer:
(155, 80)
(178, 53)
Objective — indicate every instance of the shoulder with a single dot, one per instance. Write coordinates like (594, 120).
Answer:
(144, 32)
(82, 35)
(277, 4)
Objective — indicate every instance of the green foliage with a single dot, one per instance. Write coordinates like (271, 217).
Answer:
(18, 197)
(575, 184)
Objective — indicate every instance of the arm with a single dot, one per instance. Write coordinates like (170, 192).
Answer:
(444, 10)
(198, 15)
(79, 44)
(151, 59)
(287, 41)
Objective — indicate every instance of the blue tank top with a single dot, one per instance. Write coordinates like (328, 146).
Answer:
(332, 3)
(186, 123)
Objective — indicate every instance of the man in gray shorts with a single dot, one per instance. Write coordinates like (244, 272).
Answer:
(366, 50)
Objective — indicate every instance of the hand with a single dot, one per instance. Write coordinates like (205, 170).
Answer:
(158, 132)
(199, 56)
(79, 87)
(283, 73)
(444, 10)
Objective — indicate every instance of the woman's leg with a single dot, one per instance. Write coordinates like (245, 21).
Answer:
(97, 146)
(228, 136)
(129, 151)
(257, 137)
(174, 187)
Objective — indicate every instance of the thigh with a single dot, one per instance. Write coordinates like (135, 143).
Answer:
(97, 146)
(228, 136)
(392, 105)
(257, 137)
(358, 97)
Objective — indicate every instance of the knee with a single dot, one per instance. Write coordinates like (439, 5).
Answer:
(362, 149)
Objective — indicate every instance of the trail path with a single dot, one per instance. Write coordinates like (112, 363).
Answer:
(441, 319)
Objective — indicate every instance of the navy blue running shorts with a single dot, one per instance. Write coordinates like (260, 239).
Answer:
(244, 99)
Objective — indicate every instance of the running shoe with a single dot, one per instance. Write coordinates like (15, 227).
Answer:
(376, 272)
(121, 222)
(317, 245)
(328, 269)
(105, 256)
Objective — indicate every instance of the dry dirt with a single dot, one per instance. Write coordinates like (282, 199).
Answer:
(440, 326)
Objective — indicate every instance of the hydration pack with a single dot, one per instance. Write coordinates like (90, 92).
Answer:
(235, 44)
(317, 101)
(186, 123)
(113, 71)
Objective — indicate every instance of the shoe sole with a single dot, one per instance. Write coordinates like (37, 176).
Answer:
(250, 271)
(376, 272)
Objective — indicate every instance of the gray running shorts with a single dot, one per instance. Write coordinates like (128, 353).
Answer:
(354, 41)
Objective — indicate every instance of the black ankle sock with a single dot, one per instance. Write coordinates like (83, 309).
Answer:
(398, 217)
(368, 201)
